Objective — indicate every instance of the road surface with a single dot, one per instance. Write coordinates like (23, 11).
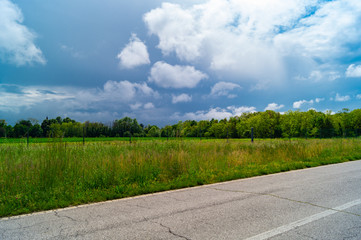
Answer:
(317, 203)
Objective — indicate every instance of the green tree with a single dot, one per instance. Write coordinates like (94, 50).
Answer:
(2, 128)
(167, 131)
(58, 119)
(36, 131)
(127, 126)
(45, 125)
(291, 124)
(72, 129)
(21, 128)
(154, 131)
(355, 122)
(68, 120)
(218, 129)
(56, 131)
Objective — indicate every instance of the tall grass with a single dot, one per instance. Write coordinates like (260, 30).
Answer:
(47, 176)
(92, 139)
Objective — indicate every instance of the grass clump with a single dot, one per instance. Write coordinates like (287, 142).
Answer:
(53, 175)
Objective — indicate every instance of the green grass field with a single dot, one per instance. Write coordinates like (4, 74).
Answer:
(59, 174)
(95, 139)
(75, 139)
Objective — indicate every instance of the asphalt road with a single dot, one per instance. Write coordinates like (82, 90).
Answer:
(318, 203)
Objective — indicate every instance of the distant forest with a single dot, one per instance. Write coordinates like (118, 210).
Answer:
(268, 124)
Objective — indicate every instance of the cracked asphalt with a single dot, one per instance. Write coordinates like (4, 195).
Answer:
(286, 205)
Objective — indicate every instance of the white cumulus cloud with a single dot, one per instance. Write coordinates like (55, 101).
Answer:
(16, 40)
(340, 98)
(274, 106)
(260, 40)
(353, 71)
(224, 89)
(134, 54)
(320, 75)
(215, 113)
(298, 104)
(176, 29)
(237, 111)
(148, 105)
(169, 76)
(328, 34)
(124, 90)
(181, 98)
(135, 106)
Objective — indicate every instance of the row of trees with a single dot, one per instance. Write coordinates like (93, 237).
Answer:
(67, 127)
(268, 124)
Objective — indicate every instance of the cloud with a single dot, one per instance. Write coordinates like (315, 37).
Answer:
(125, 90)
(168, 76)
(353, 71)
(340, 98)
(135, 106)
(181, 98)
(326, 34)
(214, 113)
(148, 106)
(223, 89)
(237, 111)
(317, 100)
(16, 40)
(259, 40)
(358, 96)
(328, 111)
(115, 97)
(138, 106)
(27, 97)
(318, 75)
(274, 106)
(134, 54)
(332, 75)
(176, 29)
(298, 104)
(225, 43)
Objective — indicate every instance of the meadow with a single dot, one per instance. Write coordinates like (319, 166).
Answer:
(79, 139)
(51, 175)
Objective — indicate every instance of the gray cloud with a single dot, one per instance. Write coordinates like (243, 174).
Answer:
(115, 97)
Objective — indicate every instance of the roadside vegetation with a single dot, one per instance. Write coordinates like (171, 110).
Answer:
(45, 176)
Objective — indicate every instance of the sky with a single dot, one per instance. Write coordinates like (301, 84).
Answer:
(166, 61)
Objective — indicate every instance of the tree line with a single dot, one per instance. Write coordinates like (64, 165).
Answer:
(267, 124)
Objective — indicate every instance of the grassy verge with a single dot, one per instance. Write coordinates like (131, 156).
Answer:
(53, 175)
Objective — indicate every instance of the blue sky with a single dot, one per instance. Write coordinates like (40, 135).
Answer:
(165, 61)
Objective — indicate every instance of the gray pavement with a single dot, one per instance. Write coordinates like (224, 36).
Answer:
(317, 203)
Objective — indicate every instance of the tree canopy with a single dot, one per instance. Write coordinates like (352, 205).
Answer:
(268, 124)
